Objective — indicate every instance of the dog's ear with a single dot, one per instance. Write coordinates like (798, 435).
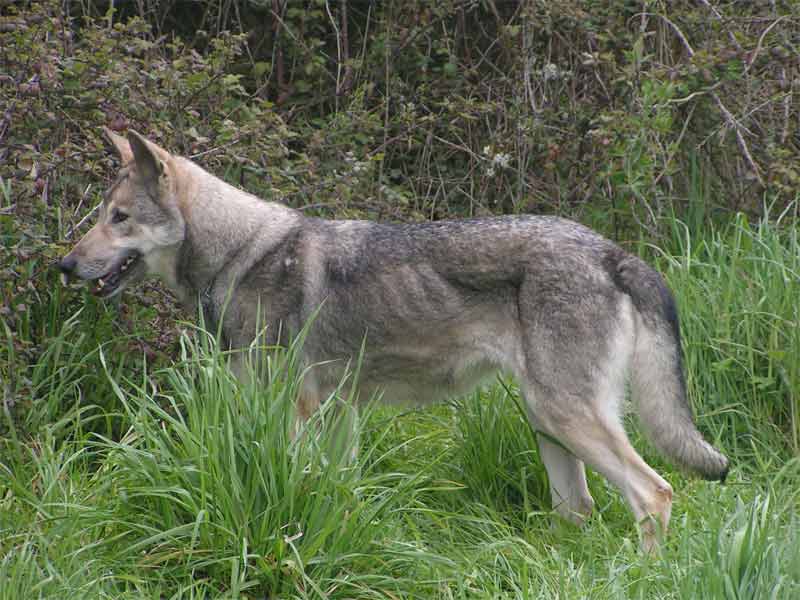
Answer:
(120, 144)
(149, 162)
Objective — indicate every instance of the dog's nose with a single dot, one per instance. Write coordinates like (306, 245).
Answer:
(67, 264)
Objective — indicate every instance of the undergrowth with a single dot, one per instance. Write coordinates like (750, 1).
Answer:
(124, 480)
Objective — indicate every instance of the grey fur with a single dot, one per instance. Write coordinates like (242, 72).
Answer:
(439, 305)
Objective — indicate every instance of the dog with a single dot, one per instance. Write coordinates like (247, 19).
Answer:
(435, 308)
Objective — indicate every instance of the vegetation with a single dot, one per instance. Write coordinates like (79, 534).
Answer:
(133, 466)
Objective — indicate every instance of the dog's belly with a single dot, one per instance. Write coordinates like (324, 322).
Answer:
(420, 373)
(425, 383)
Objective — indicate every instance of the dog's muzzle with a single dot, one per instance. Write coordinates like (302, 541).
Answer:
(67, 267)
(122, 272)
(67, 264)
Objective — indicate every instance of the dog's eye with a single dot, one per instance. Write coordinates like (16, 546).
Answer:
(117, 216)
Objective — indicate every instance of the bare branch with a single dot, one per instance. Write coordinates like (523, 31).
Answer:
(739, 137)
(760, 42)
(70, 233)
(338, 52)
(713, 10)
(730, 120)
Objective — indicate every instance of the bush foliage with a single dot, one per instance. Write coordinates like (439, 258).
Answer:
(417, 109)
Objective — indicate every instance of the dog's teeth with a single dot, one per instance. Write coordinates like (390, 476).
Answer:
(64, 279)
(100, 283)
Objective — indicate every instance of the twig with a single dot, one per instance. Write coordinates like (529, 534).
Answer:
(5, 122)
(233, 142)
(277, 52)
(386, 100)
(338, 53)
(83, 220)
(348, 68)
(463, 148)
(527, 71)
(694, 95)
(80, 203)
(760, 42)
(674, 28)
(739, 137)
(46, 191)
(787, 103)
(677, 144)
(719, 17)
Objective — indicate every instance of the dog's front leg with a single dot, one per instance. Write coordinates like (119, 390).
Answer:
(308, 403)
(336, 422)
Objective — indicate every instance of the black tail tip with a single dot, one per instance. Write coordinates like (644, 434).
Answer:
(724, 475)
(717, 472)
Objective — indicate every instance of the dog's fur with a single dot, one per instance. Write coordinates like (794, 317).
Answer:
(439, 306)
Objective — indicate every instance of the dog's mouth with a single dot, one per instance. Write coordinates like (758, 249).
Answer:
(113, 281)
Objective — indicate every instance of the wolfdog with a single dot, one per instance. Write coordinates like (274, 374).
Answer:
(438, 307)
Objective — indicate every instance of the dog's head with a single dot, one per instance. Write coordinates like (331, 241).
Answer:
(140, 225)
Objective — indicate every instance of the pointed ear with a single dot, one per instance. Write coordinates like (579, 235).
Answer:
(120, 144)
(149, 163)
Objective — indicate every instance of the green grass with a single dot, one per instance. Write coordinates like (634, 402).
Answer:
(121, 481)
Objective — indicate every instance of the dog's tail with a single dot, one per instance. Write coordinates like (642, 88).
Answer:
(657, 380)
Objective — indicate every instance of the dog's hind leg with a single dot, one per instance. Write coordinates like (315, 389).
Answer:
(576, 372)
(584, 418)
(570, 494)
(604, 446)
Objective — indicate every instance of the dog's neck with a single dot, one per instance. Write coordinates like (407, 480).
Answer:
(226, 231)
